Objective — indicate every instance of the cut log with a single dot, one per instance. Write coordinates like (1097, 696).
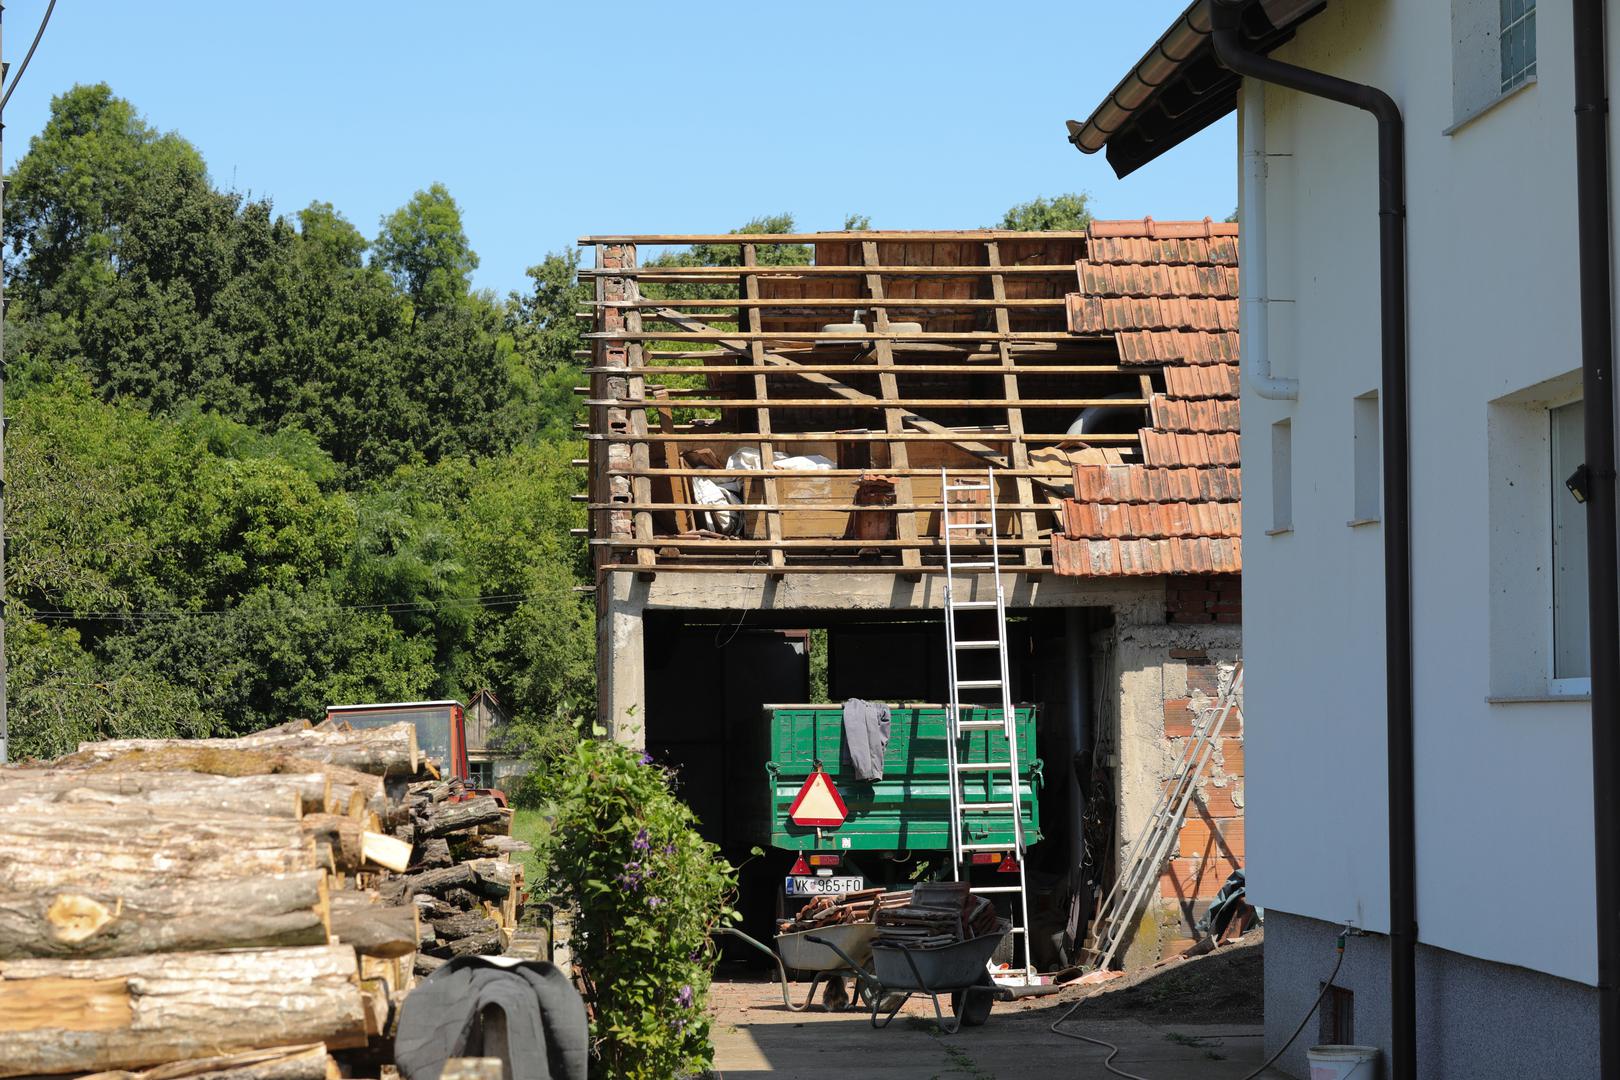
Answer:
(383, 751)
(272, 796)
(487, 943)
(463, 924)
(79, 1015)
(71, 846)
(192, 916)
(385, 851)
(342, 834)
(433, 854)
(481, 877)
(195, 756)
(278, 1063)
(373, 928)
(427, 965)
(441, 819)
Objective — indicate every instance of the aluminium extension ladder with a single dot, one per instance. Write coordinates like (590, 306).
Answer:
(1117, 915)
(964, 847)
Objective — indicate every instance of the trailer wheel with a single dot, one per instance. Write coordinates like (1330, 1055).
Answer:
(972, 1004)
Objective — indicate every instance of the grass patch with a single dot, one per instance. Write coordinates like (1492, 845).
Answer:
(532, 826)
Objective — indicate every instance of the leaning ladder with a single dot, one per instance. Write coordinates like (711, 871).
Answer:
(963, 846)
(1117, 915)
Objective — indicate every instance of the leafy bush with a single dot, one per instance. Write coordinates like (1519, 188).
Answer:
(646, 890)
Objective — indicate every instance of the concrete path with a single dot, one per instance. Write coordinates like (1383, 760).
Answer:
(754, 1036)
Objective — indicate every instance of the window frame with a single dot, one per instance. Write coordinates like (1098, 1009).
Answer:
(1524, 22)
(1568, 686)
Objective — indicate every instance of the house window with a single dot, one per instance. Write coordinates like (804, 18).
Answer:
(1571, 660)
(482, 773)
(1516, 42)
(1282, 477)
(1369, 462)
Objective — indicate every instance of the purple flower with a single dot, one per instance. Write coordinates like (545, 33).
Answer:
(669, 848)
(655, 901)
(684, 998)
(641, 843)
(646, 759)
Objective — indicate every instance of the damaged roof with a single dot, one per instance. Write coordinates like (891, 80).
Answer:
(1168, 294)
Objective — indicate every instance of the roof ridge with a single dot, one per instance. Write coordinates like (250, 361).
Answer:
(1147, 227)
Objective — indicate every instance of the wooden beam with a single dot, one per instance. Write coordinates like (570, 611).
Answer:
(839, 303)
(732, 273)
(1010, 403)
(818, 335)
(968, 236)
(1015, 414)
(767, 455)
(973, 442)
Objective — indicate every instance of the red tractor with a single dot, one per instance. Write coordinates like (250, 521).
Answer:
(441, 733)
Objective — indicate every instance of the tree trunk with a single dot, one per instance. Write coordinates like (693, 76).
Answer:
(61, 1016)
(484, 877)
(192, 916)
(265, 796)
(487, 943)
(433, 854)
(70, 846)
(197, 757)
(384, 751)
(444, 818)
(362, 920)
(278, 1063)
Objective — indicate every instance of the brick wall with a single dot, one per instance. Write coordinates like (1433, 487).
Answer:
(1210, 845)
(1204, 599)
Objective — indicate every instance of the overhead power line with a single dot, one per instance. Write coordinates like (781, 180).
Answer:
(15, 79)
(494, 600)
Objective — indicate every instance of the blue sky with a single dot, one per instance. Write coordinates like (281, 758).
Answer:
(551, 121)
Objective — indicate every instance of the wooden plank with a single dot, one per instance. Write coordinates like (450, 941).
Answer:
(925, 506)
(735, 239)
(717, 565)
(861, 369)
(732, 273)
(956, 472)
(1015, 413)
(894, 420)
(1010, 403)
(767, 449)
(672, 460)
(740, 543)
(839, 303)
(818, 335)
(973, 443)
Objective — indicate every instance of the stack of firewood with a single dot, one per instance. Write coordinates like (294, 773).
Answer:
(246, 908)
(460, 879)
(855, 907)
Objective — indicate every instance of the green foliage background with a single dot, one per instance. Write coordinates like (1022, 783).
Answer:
(260, 463)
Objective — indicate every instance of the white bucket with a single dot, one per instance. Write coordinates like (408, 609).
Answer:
(1343, 1062)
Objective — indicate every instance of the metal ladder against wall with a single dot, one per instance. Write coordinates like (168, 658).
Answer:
(1117, 915)
(964, 847)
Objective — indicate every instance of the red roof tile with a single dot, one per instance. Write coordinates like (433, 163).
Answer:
(1167, 293)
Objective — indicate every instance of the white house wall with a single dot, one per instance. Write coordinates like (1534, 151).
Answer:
(1504, 790)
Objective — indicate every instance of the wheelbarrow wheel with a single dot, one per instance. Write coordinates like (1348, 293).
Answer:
(972, 1004)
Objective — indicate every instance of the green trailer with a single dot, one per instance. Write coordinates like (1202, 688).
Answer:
(909, 809)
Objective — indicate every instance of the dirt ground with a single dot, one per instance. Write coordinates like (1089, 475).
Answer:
(1190, 1020)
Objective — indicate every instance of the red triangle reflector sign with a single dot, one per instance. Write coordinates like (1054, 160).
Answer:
(818, 803)
(800, 867)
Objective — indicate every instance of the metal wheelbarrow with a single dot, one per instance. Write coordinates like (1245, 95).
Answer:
(827, 953)
(959, 969)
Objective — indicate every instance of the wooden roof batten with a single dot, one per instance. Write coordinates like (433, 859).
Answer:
(771, 364)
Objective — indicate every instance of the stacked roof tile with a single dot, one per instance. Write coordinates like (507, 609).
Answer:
(1167, 293)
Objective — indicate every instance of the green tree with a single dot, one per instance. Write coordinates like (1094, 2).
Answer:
(424, 248)
(1062, 213)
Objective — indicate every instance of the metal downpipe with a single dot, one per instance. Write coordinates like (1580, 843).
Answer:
(1597, 379)
(1232, 51)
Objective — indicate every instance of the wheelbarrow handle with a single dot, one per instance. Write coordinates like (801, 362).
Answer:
(781, 972)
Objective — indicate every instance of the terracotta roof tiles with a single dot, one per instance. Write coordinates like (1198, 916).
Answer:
(1166, 292)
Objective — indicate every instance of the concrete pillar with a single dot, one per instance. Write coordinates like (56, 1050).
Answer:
(621, 658)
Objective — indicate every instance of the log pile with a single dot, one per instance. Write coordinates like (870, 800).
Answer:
(236, 909)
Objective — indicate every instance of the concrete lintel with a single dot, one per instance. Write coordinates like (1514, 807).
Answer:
(1133, 599)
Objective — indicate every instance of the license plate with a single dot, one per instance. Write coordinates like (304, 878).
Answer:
(825, 886)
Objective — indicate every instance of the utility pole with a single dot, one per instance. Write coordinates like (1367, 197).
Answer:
(5, 728)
